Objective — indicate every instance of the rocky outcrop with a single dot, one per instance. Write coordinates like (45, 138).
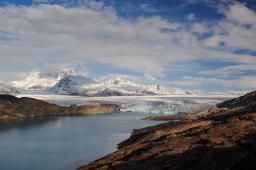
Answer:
(221, 138)
(12, 108)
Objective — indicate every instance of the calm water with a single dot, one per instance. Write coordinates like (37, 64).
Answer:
(66, 142)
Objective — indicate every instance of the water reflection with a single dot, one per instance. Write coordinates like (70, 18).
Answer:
(25, 123)
(64, 143)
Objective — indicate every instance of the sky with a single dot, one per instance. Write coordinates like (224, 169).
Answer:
(201, 45)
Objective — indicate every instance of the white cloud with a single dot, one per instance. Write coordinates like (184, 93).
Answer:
(229, 70)
(149, 77)
(54, 33)
(191, 17)
(242, 82)
(117, 76)
(57, 35)
(149, 8)
(232, 30)
(199, 28)
(238, 12)
(40, 1)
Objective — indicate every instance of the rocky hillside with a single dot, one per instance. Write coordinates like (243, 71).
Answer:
(221, 138)
(12, 108)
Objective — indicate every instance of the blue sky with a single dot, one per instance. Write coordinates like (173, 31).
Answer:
(189, 44)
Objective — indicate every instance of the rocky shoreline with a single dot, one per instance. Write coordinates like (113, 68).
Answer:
(13, 108)
(220, 138)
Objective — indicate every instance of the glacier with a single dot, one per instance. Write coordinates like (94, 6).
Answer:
(168, 106)
(159, 105)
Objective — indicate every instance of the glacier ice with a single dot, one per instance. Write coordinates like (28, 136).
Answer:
(169, 106)
(143, 104)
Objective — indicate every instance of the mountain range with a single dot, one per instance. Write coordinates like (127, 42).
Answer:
(68, 82)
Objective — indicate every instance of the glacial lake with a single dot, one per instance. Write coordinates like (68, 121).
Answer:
(65, 143)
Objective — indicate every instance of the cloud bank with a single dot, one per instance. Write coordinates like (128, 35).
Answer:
(48, 36)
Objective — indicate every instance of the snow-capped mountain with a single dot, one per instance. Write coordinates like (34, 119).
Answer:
(40, 81)
(4, 89)
(119, 86)
(72, 85)
(131, 87)
(110, 86)
(80, 85)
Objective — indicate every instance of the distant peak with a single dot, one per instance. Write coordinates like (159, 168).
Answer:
(5, 89)
(41, 80)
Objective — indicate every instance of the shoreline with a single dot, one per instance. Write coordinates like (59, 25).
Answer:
(13, 108)
(222, 137)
